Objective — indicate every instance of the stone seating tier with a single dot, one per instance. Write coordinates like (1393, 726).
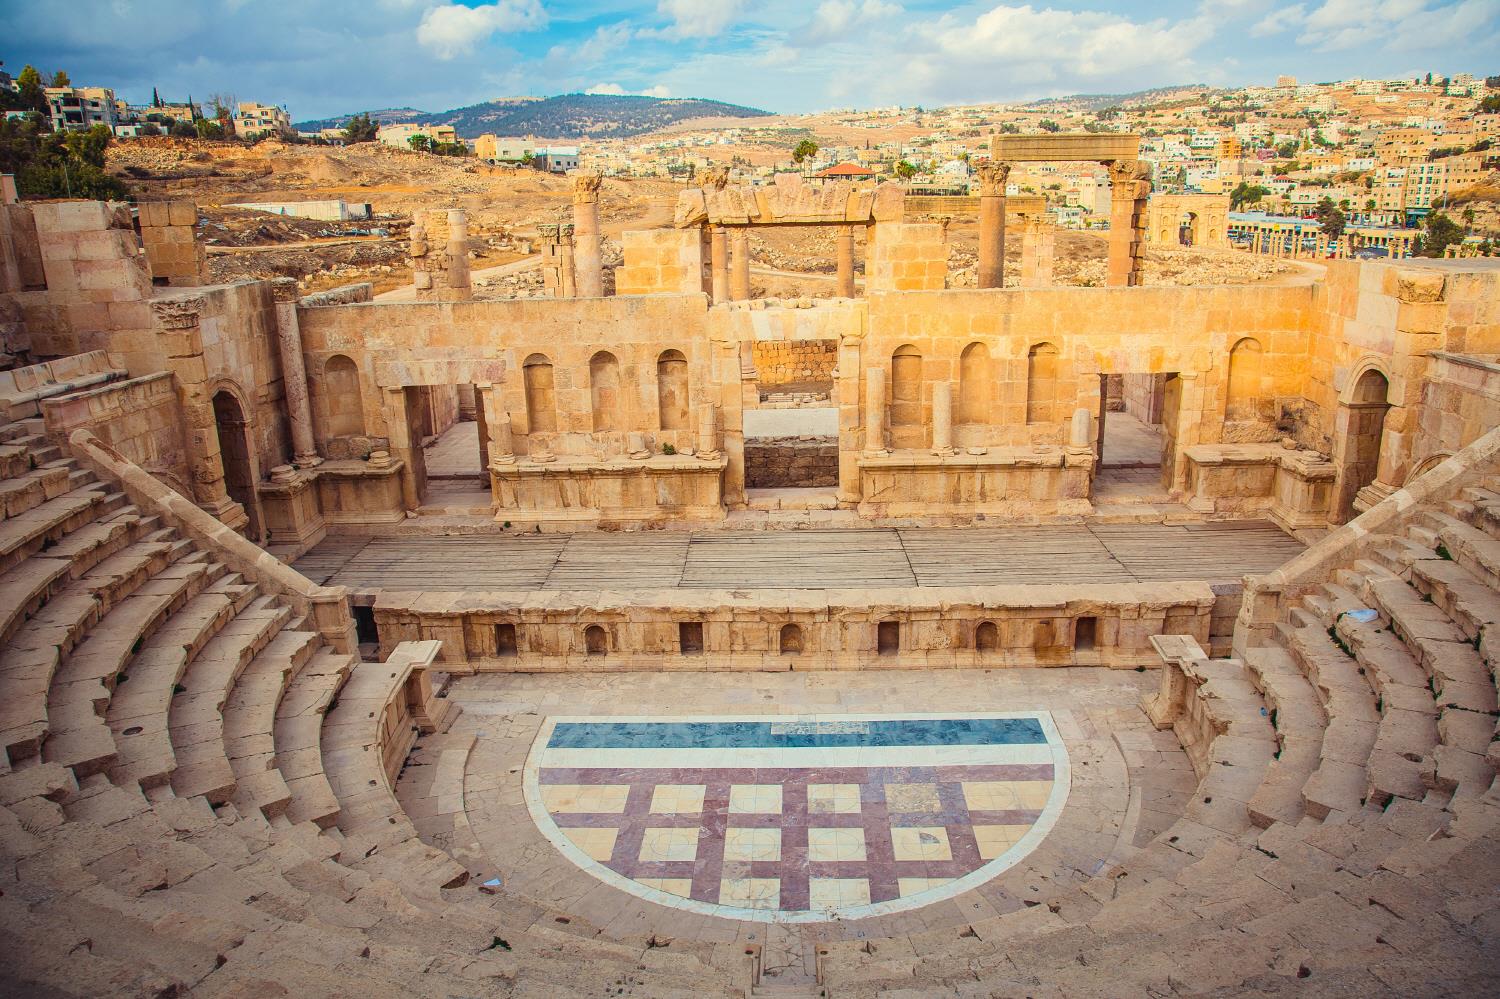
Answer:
(1341, 836)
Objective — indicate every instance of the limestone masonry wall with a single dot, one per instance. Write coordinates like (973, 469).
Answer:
(794, 362)
(140, 418)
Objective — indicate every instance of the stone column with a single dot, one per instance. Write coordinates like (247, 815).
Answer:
(588, 259)
(178, 329)
(458, 255)
(567, 273)
(1128, 190)
(294, 373)
(844, 287)
(1031, 252)
(875, 411)
(482, 423)
(942, 418)
(991, 269)
(739, 264)
(398, 431)
(719, 263)
(708, 444)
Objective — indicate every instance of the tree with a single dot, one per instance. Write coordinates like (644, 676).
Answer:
(1490, 104)
(155, 98)
(1246, 194)
(30, 86)
(1048, 125)
(150, 128)
(1287, 149)
(419, 142)
(360, 129)
(1331, 219)
(905, 170)
(804, 150)
(52, 165)
(60, 79)
(1438, 233)
(209, 128)
(183, 130)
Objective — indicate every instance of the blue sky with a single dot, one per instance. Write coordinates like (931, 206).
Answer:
(323, 57)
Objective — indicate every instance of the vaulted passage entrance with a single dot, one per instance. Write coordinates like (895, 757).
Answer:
(236, 452)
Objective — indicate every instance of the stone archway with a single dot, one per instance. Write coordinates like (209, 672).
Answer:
(1358, 436)
(237, 454)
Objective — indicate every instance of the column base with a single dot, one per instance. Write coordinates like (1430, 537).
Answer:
(306, 460)
(227, 512)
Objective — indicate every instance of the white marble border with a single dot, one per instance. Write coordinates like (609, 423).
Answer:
(1062, 779)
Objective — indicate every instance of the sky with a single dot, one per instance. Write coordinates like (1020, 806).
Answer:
(326, 57)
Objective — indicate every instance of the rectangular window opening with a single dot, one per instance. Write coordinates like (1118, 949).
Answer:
(690, 637)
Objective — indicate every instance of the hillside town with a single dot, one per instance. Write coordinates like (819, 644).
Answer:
(1380, 167)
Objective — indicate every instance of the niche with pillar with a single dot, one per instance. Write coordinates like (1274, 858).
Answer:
(975, 386)
(672, 390)
(1041, 384)
(907, 425)
(604, 391)
(541, 395)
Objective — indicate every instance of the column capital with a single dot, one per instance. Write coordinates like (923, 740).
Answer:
(992, 177)
(586, 188)
(179, 313)
(284, 290)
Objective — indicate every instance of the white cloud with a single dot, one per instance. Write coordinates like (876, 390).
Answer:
(1396, 24)
(1052, 43)
(835, 19)
(451, 29)
(700, 18)
(1279, 20)
(660, 90)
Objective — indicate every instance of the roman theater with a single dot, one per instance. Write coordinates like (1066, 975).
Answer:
(654, 639)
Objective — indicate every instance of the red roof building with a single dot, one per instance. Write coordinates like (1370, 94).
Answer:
(845, 171)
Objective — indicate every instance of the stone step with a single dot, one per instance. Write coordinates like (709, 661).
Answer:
(1469, 603)
(1339, 783)
(138, 713)
(30, 490)
(29, 661)
(1299, 722)
(1459, 676)
(1470, 547)
(25, 535)
(249, 732)
(85, 680)
(299, 737)
(197, 719)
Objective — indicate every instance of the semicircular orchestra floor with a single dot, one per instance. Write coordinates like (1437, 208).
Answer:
(722, 805)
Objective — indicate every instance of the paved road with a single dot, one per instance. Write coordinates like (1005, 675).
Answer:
(819, 559)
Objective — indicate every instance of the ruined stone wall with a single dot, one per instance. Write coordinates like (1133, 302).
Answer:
(140, 418)
(661, 261)
(606, 358)
(794, 363)
(1460, 403)
(1388, 317)
(176, 258)
(1092, 331)
(97, 283)
(907, 256)
(791, 462)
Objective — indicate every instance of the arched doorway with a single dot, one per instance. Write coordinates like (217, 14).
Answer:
(1187, 229)
(1360, 432)
(237, 455)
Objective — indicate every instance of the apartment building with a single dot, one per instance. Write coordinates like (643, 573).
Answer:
(502, 149)
(252, 119)
(400, 134)
(78, 108)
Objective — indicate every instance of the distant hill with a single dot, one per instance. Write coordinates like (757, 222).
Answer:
(1098, 102)
(569, 116)
(386, 116)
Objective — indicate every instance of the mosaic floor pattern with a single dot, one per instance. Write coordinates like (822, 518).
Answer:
(797, 819)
